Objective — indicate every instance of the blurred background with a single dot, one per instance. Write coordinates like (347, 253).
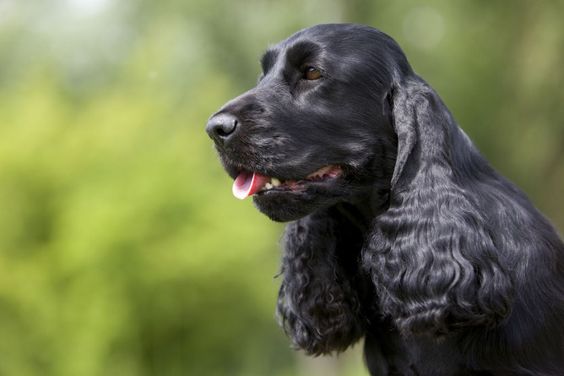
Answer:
(122, 250)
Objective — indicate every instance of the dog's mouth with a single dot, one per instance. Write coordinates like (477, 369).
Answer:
(249, 183)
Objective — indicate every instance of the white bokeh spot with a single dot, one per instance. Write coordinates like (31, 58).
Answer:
(424, 27)
(88, 7)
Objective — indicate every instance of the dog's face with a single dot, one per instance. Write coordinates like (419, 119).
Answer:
(316, 128)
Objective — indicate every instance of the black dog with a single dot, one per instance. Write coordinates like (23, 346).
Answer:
(400, 231)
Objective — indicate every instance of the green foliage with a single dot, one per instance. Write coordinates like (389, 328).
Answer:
(122, 250)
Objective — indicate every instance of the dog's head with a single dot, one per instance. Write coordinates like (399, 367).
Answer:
(317, 127)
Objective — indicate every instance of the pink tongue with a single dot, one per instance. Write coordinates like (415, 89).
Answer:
(247, 184)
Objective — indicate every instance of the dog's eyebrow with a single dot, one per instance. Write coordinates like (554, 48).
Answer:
(267, 60)
(301, 51)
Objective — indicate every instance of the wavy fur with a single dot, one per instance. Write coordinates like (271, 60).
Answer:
(442, 265)
(318, 305)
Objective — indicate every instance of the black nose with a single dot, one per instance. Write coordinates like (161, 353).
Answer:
(221, 127)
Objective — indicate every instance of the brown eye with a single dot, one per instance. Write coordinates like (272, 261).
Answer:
(312, 73)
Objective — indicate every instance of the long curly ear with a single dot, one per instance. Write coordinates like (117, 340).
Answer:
(318, 304)
(403, 114)
(432, 254)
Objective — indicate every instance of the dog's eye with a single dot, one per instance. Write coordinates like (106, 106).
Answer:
(312, 73)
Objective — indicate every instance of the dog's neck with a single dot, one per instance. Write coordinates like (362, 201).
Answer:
(361, 212)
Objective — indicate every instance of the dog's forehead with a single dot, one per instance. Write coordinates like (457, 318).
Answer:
(301, 47)
(327, 37)
(332, 39)
(340, 49)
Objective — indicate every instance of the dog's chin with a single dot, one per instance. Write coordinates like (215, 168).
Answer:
(286, 206)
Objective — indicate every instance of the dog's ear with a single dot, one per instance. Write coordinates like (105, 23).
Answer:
(418, 116)
(403, 121)
(433, 255)
(318, 303)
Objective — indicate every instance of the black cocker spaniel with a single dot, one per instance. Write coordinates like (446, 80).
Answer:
(399, 230)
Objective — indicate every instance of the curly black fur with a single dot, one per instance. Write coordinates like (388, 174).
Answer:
(420, 247)
(317, 304)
